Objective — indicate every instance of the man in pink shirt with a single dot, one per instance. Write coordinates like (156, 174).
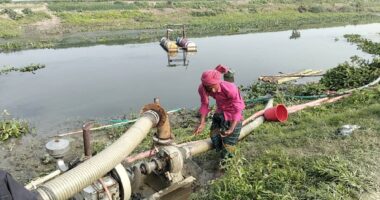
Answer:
(227, 120)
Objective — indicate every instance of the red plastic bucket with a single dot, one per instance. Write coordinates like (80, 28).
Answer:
(277, 114)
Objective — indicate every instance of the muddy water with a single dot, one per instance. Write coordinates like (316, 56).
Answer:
(101, 82)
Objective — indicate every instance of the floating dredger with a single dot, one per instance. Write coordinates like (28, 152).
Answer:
(181, 43)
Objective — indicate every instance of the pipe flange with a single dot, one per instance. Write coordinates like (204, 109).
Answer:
(159, 110)
(153, 115)
(162, 141)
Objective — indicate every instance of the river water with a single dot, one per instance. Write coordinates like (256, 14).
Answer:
(101, 82)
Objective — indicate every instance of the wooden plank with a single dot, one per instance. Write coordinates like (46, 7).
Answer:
(290, 77)
(287, 79)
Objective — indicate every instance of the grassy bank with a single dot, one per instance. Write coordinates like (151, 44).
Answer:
(63, 24)
(306, 158)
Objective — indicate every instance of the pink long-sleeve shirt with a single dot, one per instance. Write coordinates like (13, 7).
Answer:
(228, 100)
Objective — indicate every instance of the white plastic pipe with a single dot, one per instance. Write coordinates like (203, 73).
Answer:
(200, 146)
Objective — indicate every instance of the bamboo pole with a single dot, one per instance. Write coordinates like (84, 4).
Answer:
(33, 184)
(110, 125)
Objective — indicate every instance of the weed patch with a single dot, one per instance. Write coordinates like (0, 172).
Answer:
(12, 127)
(30, 68)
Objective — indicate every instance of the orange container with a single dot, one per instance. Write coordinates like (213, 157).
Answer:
(277, 114)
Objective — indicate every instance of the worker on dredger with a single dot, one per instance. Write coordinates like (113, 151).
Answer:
(227, 120)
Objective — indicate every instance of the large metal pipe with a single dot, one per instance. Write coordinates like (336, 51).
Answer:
(73, 181)
(200, 146)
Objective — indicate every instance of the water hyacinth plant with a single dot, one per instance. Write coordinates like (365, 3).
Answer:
(29, 68)
(10, 127)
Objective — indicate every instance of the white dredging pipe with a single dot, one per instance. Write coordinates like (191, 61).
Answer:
(201, 146)
(73, 181)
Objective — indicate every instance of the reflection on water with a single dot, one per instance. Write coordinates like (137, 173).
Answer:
(295, 34)
(100, 82)
(179, 58)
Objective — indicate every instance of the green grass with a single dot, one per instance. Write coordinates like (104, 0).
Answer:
(304, 158)
(101, 20)
(209, 22)
(274, 21)
(9, 29)
(14, 28)
(96, 6)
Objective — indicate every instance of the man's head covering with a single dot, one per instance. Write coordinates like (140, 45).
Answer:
(212, 77)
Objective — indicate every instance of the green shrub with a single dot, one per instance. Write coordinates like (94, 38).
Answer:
(203, 13)
(346, 9)
(317, 9)
(11, 13)
(27, 11)
(302, 9)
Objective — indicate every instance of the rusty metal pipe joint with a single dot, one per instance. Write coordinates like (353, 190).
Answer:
(164, 134)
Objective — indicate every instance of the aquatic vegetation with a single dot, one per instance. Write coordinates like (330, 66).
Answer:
(364, 44)
(352, 74)
(359, 71)
(259, 89)
(32, 68)
(7, 69)
(12, 127)
(29, 68)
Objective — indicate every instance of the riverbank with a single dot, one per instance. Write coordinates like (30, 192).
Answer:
(304, 158)
(307, 150)
(69, 24)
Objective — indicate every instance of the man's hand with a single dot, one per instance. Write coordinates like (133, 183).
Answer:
(199, 128)
(227, 133)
